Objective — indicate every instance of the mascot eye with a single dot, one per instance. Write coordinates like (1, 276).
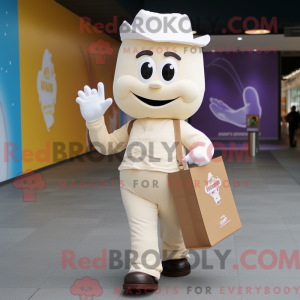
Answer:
(146, 69)
(168, 71)
(82, 288)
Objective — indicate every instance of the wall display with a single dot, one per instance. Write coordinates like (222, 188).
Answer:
(44, 59)
(56, 60)
(238, 84)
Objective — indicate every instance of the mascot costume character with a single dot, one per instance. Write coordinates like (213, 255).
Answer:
(160, 80)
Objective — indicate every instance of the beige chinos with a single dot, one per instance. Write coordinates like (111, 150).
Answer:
(146, 197)
(145, 192)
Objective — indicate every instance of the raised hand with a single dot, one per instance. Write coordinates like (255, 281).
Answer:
(92, 103)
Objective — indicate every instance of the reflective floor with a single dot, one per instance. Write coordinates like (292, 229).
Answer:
(90, 222)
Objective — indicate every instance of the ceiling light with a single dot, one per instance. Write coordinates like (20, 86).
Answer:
(239, 38)
(257, 31)
(194, 32)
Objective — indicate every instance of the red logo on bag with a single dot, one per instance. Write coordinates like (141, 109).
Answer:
(100, 49)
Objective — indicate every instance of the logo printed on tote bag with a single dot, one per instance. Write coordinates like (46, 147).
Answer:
(224, 221)
(213, 187)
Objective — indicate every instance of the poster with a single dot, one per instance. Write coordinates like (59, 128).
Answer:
(56, 61)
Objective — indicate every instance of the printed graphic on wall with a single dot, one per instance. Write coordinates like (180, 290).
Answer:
(238, 85)
(46, 86)
(251, 102)
(54, 66)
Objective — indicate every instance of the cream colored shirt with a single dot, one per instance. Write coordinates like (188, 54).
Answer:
(151, 145)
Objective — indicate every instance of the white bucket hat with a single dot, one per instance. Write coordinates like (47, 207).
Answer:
(172, 28)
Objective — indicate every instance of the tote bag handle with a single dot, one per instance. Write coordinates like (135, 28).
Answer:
(179, 153)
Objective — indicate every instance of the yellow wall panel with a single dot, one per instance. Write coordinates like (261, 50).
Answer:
(54, 65)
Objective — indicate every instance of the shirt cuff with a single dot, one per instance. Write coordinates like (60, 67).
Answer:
(95, 125)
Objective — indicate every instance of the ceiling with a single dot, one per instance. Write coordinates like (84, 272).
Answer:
(210, 17)
(101, 11)
(249, 42)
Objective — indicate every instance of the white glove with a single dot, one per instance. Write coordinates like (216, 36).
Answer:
(92, 103)
(200, 155)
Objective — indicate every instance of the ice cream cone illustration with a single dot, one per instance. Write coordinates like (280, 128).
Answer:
(213, 187)
(86, 288)
(47, 89)
(29, 182)
(100, 49)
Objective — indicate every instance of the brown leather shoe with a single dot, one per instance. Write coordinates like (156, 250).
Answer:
(140, 281)
(176, 267)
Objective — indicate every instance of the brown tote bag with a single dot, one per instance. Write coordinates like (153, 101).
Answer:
(203, 199)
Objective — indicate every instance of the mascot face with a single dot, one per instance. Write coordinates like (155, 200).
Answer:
(159, 79)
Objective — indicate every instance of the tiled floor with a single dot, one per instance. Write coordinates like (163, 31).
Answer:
(87, 220)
